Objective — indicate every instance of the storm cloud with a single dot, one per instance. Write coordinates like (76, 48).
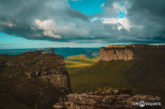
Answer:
(55, 20)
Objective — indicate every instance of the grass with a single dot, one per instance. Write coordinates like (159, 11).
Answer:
(79, 61)
(145, 77)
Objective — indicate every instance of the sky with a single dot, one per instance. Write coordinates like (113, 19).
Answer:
(80, 23)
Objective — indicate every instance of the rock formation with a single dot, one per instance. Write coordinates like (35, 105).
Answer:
(109, 99)
(108, 54)
(49, 67)
(131, 52)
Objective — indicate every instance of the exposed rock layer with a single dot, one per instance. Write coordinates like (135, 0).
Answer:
(131, 52)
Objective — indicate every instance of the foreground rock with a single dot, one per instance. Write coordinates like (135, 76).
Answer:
(32, 80)
(109, 99)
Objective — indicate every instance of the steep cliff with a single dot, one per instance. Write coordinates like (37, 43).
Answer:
(131, 52)
(49, 67)
(32, 80)
(108, 54)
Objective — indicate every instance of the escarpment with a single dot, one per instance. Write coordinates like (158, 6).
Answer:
(107, 54)
(131, 52)
(48, 67)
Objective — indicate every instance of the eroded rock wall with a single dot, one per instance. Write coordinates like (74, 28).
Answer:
(132, 52)
(108, 54)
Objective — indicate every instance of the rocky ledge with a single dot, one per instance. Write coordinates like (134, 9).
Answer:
(109, 99)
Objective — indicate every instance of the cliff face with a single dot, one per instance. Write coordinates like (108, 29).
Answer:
(131, 52)
(32, 80)
(107, 54)
(48, 67)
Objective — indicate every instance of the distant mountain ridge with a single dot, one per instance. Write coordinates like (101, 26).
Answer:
(65, 52)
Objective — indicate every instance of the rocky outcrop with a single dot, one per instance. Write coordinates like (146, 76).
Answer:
(116, 54)
(109, 99)
(131, 52)
(49, 67)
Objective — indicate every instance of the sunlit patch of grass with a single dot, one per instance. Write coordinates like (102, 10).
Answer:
(78, 61)
(77, 64)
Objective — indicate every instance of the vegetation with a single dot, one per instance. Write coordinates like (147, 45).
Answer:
(146, 77)
(78, 61)
(22, 93)
(17, 91)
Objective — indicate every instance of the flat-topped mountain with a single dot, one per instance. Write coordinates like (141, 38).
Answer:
(135, 46)
(131, 52)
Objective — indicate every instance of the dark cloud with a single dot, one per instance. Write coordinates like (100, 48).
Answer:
(76, 14)
(154, 7)
(150, 14)
(55, 20)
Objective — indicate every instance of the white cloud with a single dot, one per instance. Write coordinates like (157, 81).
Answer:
(94, 19)
(125, 23)
(45, 24)
(48, 27)
(119, 28)
(113, 16)
(51, 34)
(122, 23)
(117, 6)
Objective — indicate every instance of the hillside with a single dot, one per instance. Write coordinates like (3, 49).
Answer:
(141, 76)
(144, 75)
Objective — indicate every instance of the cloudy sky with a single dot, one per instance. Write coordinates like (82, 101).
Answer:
(80, 23)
